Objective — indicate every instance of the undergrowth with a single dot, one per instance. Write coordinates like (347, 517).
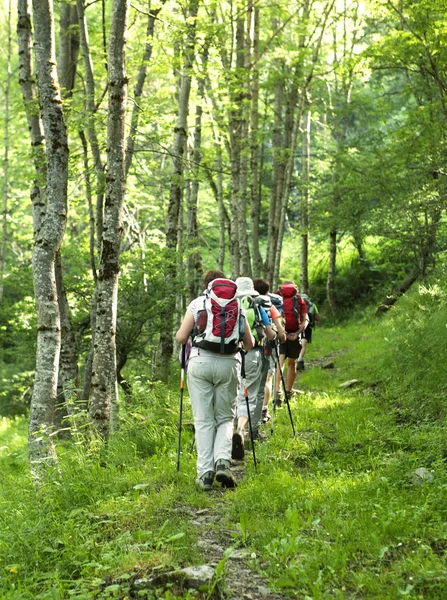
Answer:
(335, 512)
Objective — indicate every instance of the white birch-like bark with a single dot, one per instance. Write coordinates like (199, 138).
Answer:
(35, 127)
(104, 392)
(4, 219)
(48, 238)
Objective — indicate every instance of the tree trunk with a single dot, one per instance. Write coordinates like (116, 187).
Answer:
(26, 79)
(5, 156)
(238, 127)
(138, 91)
(104, 393)
(68, 48)
(397, 292)
(48, 238)
(275, 194)
(68, 378)
(194, 256)
(255, 188)
(304, 207)
(68, 363)
(175, 198)
(330, 283)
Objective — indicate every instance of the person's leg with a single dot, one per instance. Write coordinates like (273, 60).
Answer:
(291, 374)
(226, 381)
(269, 382)
(293, 354)
(201, 392)
(282, 360)
(257, 413)
(268, 388)
(253, 368)
(306, 338)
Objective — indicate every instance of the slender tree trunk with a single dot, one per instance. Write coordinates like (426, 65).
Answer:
(194, 256)
(277, 143)
(304, 207)
(238, 127)
(177, 183)
(255, 188)
(104, 392)
(33, 116)
(48, 239)
(96, 215)
(138, 91)
(86, 384)
(90, 121)
(330, 284)
(4, 231)
(398, 291)
(68, 378)
(68, 47)
(68, 364)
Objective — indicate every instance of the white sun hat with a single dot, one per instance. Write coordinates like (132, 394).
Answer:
(245, 287)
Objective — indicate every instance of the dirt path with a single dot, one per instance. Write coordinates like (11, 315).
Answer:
(240, 580)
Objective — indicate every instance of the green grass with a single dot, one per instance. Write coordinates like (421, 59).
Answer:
(334, 512)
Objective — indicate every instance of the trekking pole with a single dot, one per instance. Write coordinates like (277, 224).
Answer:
(248, 407)
(274, 393)
(284, 388)
(182, 386)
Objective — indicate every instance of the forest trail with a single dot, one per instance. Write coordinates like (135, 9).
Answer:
(217, 537)
(216, 540)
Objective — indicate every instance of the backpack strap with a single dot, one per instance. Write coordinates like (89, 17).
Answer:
(222, 329)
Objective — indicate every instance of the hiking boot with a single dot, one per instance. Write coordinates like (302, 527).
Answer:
(224, 474)
(237, 451)
(300, 364)
(205, 482)
(259, 436)
(278, 400)
(266, 416)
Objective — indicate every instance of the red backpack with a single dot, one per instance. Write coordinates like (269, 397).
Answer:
(219, 326)
(294, 308)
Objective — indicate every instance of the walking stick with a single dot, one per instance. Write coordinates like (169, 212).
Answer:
(182, 386)
(248, 407)
(284, 388)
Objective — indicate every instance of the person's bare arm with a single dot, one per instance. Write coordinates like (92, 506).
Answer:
(185, 329)
(280, 329)
(249, 341)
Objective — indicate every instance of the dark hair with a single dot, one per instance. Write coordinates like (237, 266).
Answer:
(261, 285)
(210, 275)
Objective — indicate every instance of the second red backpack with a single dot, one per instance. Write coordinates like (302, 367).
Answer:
(294, 309)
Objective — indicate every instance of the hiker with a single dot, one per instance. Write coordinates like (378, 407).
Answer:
(254, 365)
(296, 320)
(213, 381)
(265, 390)
(306, 336)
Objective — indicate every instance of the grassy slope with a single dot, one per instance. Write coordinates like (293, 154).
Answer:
(333, 513)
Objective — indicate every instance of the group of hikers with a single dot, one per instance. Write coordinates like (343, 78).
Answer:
(232, 333)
